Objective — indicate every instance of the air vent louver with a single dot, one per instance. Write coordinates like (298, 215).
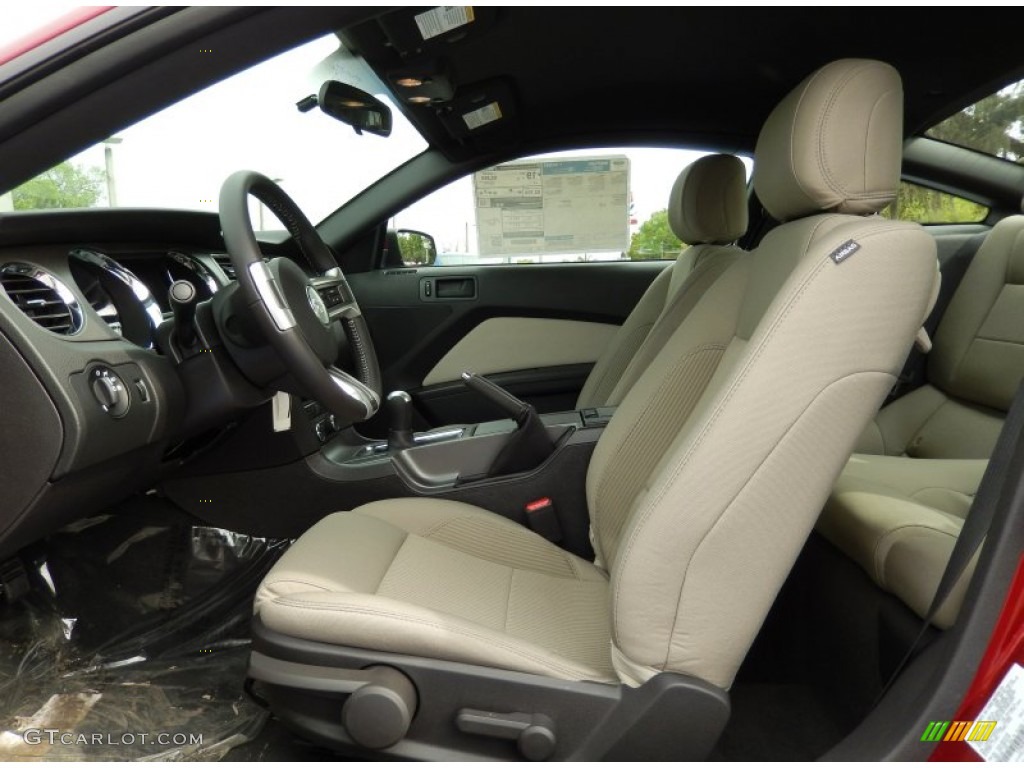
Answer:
(224, 262)
(42, 297)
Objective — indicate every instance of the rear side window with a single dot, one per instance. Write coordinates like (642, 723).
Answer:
(929, 206)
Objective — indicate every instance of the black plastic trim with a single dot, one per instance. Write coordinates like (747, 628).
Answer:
(591, 720)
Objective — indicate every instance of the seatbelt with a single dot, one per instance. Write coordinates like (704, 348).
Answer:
(977, 523)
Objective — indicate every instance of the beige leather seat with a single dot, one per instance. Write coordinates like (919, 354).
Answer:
(974, 367)
(899, 519)
(899, 516)
(708, 210)
(707, 480)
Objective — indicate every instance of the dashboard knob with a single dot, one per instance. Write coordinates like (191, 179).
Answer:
(110, 391)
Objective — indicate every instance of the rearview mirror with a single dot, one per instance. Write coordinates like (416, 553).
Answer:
(416, 247)
(355, 107)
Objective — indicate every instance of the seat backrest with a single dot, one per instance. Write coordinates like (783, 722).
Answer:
(709, 477)
(707, 209)
(974, 367)
(978, 354)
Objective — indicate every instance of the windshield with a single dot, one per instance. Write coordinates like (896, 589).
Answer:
(178, 158)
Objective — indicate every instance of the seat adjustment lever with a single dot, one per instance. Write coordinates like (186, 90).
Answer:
(534, 734)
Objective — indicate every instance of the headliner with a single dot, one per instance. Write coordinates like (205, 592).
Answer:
(700, 75)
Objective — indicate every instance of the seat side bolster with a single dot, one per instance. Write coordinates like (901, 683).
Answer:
(630, 335)
(309, 565)
(380, 623)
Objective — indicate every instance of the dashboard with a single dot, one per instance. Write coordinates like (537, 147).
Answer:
(94, 394)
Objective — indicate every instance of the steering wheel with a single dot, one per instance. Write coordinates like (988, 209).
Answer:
(298, 314)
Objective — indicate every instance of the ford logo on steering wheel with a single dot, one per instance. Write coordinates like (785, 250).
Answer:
(319, 308)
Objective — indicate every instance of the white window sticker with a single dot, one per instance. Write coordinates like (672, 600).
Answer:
(443, 19)
(1006, 709)
(481, 117)
(576, 205)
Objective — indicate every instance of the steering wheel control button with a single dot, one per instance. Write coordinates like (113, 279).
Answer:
(270, 295)
(332, 296)
(318, 305)
(110, 391)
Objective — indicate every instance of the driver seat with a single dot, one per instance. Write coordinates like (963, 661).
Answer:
(434, 629)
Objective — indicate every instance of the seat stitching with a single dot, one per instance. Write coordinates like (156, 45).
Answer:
(981, 324)
(295, 603)
(642, 329)
(391, 565)
(927, 419)
(437, 528)
(274, 583)
(508, 600)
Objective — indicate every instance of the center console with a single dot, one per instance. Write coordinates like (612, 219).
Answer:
(530, 468)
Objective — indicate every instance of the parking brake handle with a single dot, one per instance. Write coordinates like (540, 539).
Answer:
(530, 444)
(511, 405)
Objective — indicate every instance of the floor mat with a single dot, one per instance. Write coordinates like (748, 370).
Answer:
(133, 642)
(776, 722)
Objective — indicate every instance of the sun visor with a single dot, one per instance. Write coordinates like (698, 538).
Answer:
(479, 109)
(411, 32)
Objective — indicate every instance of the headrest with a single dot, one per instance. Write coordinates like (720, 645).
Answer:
(835, 143)
(708, 203)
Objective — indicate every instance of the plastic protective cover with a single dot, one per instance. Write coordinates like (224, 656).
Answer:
(133, 642)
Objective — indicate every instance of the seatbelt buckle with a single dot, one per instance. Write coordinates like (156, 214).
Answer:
(541, 517)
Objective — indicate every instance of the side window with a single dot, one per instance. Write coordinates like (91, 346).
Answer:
(579, 206)
(929, 206)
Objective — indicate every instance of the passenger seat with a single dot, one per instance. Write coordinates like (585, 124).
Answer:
(708, 210)
(899, 515)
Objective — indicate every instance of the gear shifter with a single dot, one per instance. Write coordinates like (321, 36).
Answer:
(399, 408)
(182, 298)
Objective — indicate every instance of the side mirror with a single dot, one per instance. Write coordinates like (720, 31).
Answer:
(354, 107)
(416, 247)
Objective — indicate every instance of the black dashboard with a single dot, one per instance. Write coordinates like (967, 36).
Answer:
(93, 395)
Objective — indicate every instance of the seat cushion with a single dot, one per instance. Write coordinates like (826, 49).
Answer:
(899, 519)
(444, 580)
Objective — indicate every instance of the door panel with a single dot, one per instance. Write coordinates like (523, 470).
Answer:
(502, 344)
(508, 326)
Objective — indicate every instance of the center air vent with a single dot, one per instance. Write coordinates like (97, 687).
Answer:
(42, 297)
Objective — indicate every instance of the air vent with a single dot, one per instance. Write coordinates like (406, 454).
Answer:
(224, 262)
(42, 297)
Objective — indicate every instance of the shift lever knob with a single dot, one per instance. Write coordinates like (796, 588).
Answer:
(182, 298)
(399, 408)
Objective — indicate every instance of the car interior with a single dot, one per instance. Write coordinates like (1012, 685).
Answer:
(440, 389)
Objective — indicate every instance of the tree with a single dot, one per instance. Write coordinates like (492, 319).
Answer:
(63, 186)
(929, 206)
(654, 239)
(413, 248)
(992, 125)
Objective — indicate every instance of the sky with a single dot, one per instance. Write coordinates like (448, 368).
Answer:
(179, 158)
